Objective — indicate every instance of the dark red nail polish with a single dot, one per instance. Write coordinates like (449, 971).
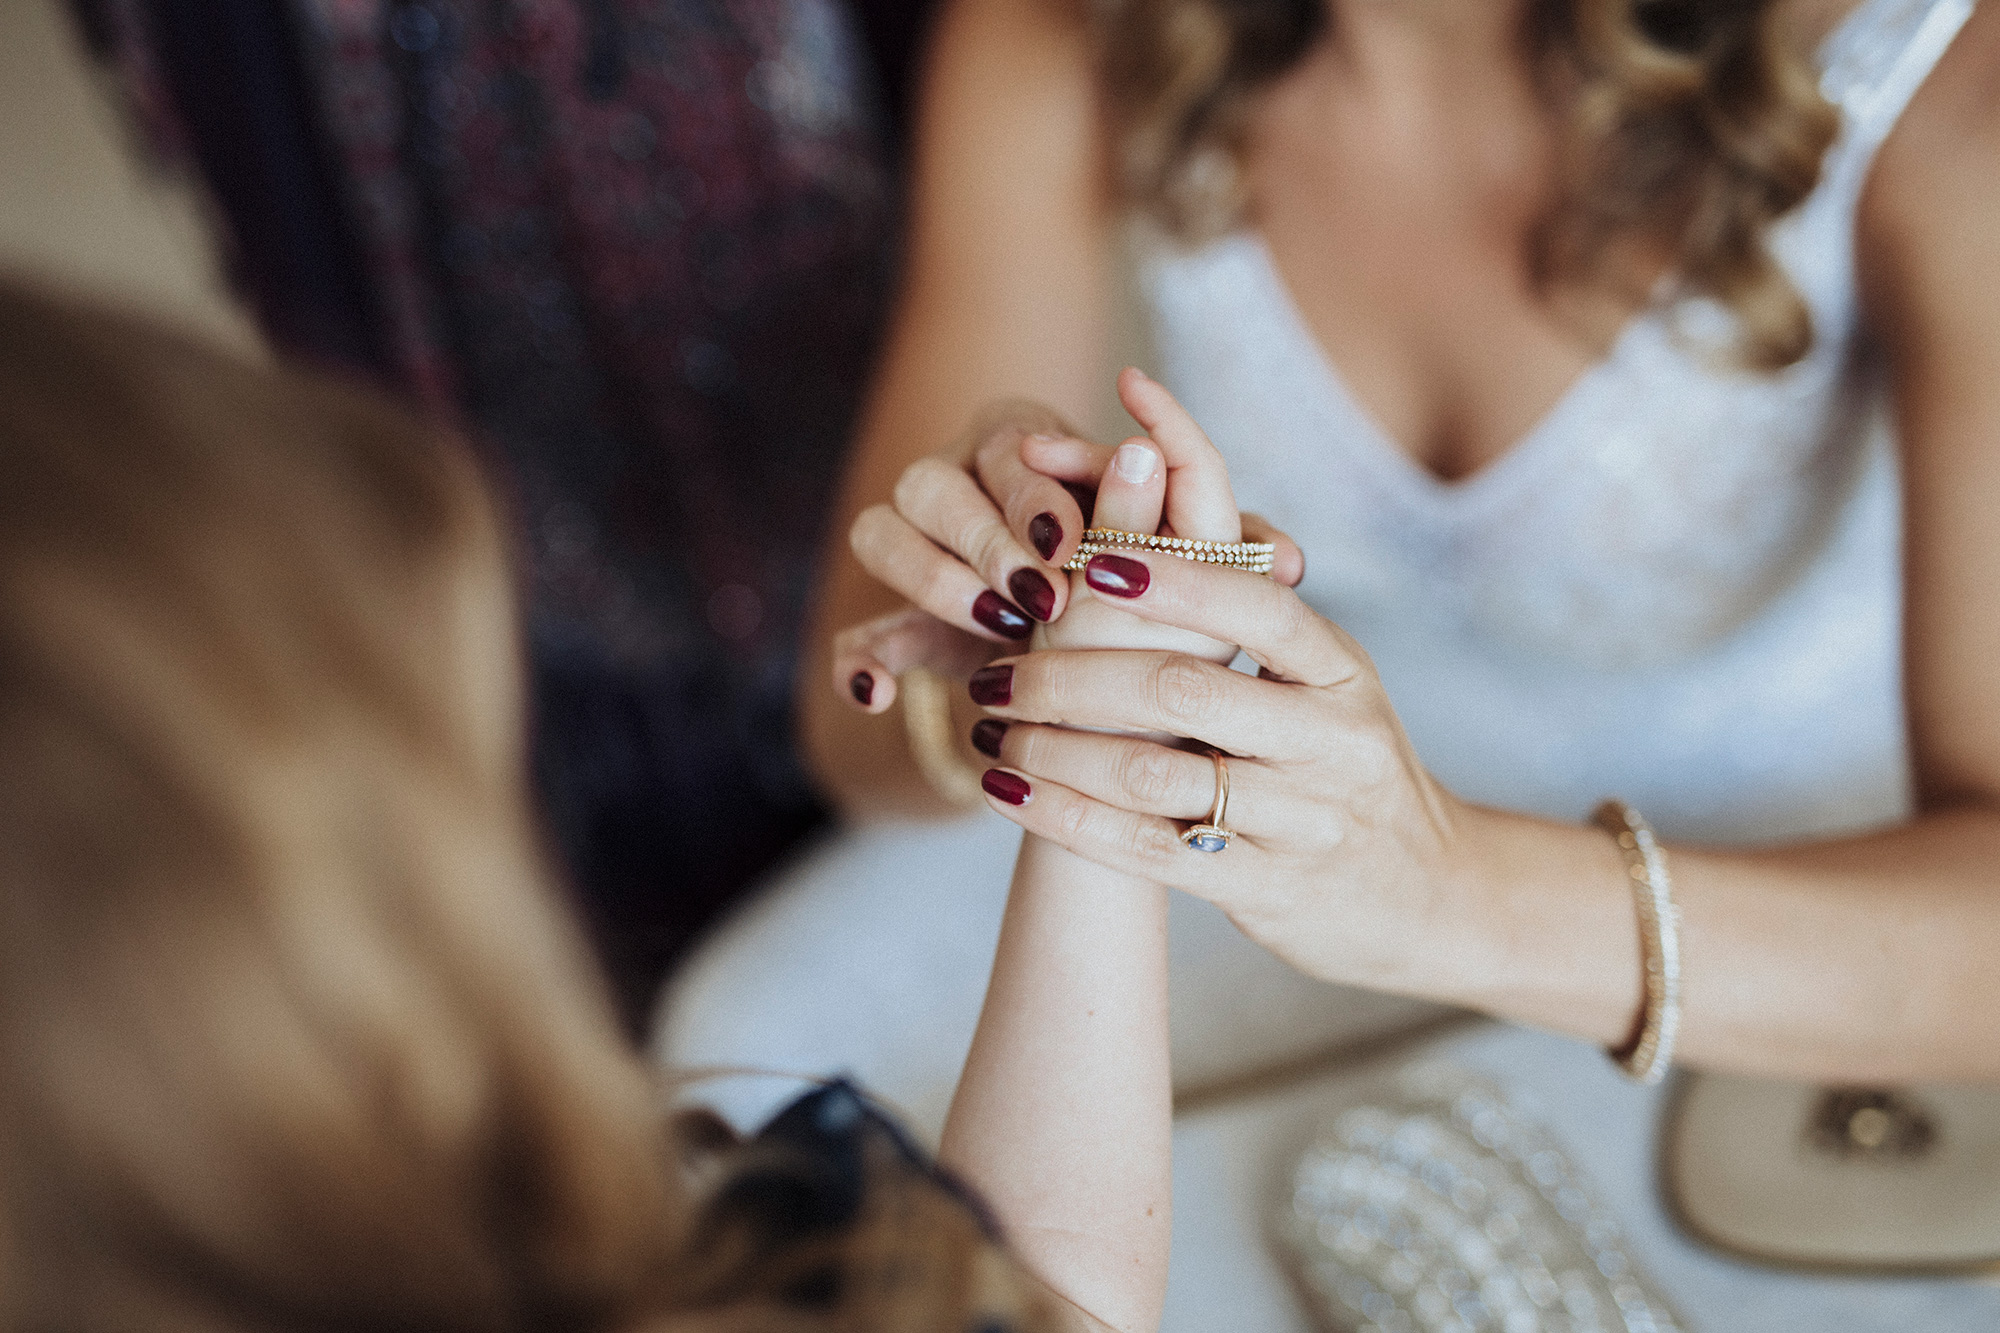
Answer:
(992, 686)
(862, 686)
(986, 734)
(1117, 576)
(991, 610)
(1033, 592)
(1085, 496)
(1046, 533)
(1003, 786)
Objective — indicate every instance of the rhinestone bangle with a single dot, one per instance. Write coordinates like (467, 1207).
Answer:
(1255, 557)
(1651, 1052)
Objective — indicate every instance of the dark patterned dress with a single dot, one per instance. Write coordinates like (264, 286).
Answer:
(638, 248)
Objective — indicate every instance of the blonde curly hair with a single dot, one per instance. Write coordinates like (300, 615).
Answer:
(1689, 127)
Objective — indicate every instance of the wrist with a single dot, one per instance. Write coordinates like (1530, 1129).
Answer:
(1455, 949)
(1533, 921)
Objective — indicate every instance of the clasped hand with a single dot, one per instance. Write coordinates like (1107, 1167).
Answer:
(1344, 843)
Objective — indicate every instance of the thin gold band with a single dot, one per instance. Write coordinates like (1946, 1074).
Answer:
(1256, 557)
(1211, 835)
(1650, 1053)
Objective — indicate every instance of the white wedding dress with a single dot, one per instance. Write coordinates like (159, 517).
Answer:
(1682, 588)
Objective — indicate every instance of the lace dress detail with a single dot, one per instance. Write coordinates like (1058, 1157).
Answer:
(1683, 584)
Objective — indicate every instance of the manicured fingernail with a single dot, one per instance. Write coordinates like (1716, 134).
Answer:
(991, 610)
(1033, 592)
(1135, 463)
(1004, 786)
(1117, 575)
(986, 735)
(1046, 533)
(992, 686)
(862, 686)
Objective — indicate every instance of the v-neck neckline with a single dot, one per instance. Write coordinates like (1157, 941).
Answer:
(1401, 466)
(1398, 465)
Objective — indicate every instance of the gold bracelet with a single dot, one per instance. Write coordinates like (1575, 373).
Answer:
(1255, 557)
(925, 698)
(1650, 1053)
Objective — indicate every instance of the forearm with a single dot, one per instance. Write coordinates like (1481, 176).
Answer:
(1063, 1115)
(1870, 957)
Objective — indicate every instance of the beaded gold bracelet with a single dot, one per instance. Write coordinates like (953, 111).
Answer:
(1650, 1053)
(1254, 557)
(925, 698)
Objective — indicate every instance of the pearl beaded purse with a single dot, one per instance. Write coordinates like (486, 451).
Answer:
(1428, 1203)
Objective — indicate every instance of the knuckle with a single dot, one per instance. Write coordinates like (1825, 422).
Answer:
(1151, 843)
(934, 587)
(1053, 679)
(1293, 619)
(991, 548)
(869, 527)
(921, 484)
(1076, 821)
(997, 447)
(1183, 689)
(1146, 773)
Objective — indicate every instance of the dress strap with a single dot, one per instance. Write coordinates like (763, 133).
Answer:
(1876, 60)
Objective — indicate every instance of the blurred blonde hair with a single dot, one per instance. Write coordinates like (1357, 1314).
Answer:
(1688, 128)
(293, 1034)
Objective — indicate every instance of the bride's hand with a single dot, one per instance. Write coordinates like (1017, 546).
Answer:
(1344, 840)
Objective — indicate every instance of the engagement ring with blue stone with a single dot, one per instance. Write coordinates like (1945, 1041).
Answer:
(1210, 835)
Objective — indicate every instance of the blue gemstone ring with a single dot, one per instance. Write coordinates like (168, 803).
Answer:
(1210, 835)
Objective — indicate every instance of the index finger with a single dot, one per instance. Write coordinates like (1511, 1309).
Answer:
(1134, 689)
(1037, 508)
(1266, 619)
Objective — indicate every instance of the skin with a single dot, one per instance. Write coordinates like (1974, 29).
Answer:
(1063, 1115)
(1857, 958)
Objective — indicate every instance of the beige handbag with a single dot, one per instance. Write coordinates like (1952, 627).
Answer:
(1855, 1180)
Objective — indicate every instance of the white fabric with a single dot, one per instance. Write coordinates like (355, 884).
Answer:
(1681, 588)
(869, 955)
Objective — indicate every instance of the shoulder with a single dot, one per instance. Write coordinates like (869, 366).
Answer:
(1017, 50)
(1011, 91)
(1009, 151)
(1934, 191)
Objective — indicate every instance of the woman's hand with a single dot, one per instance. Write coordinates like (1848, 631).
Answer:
(975, 545)
(978, 547)
(1343, 838)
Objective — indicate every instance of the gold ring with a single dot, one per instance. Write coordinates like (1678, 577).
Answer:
(1254, 557)
(1210, 835)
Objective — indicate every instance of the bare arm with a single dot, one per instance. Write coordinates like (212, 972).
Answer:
(1064, 1114)
(1005, 297)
